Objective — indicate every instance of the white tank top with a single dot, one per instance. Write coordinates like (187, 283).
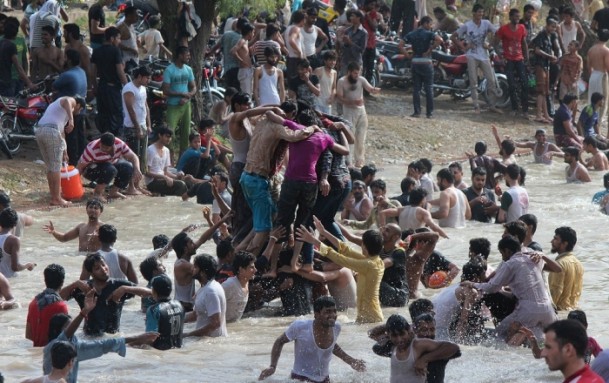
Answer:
(568, 35)
(403, 370)
(572, 176)
(267, 88)
(540, 158)
(131, 42)
(308, 41)
(408, 219)
(356, 207)
(456, 214)
(326, 81)
(184, 293)
(291, 51)
(5, 259)
(114, 266)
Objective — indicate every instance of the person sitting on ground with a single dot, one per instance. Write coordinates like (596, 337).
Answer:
(10, 245)
(315, 343)
(453, 206)
(209, 310)
(119, 265)
(381, 204)
(24, 219)
(575, 172)
(195, 161)
(542, 150)
(166, 316)
(63, 359)
(86, 232)
(406, 186)
(565, 134)
(358, 206)
(588, 124)
(236, 288)
(602, 197)
(598, 161)
(481, 199)
(109, 160)
(150, 268)
(159, 178)
(45, 305)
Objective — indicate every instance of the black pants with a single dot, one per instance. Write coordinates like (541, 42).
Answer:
(109, 109)
(160, 187)
(104, 173)
(368, 63)
(231, 78)
(403, 11)
(76, 141)
(515, 69)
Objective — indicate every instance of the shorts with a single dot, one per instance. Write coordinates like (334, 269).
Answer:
(256, 190)
(51, 145)
(541, 76)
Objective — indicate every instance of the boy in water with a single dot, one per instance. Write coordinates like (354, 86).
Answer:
(166, 316)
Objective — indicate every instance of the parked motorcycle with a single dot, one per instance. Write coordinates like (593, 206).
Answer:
(393, 67)
(210, 91)
(451, 76)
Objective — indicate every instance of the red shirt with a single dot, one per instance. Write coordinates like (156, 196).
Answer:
(585, 375)
(512, 41)
(93, 152)
(38, 321)
(372, 15)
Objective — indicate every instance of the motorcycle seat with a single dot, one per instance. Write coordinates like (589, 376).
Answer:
(443, 57)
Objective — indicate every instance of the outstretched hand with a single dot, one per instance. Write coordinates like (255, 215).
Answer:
(266, 373)
(306, 235)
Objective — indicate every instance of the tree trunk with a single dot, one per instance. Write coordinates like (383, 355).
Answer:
(169, 17)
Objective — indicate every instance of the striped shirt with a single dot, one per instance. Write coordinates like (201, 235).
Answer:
(39, 20)
(260, 46)
(93, 152)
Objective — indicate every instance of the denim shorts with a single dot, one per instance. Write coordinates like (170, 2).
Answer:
(257, 194)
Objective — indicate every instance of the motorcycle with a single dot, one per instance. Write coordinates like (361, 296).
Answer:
(210, 91)
(451, 76)
(393, 67)
(20, 116)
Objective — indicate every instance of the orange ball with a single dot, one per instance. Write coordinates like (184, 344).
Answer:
(437, 279)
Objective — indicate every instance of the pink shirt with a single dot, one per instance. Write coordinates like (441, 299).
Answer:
(304, 154)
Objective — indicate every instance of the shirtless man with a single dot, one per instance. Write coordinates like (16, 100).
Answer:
(72, 37)
(340, 282)
(598, 66)
(598, 161)
(242, 54)
(417, 210)
(47, 59)
(575, 172)
(542, 149)
(453, 209)
(86, 232)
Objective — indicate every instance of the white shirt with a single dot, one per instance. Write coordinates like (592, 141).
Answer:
(226, 197)
(157, 163)
(475, 36)
(139, 105)
(55, 115)
(446, 307)
(236, 299)
(210, 300)
(152, 38)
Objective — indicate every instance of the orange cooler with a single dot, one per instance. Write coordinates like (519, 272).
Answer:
(71, 186)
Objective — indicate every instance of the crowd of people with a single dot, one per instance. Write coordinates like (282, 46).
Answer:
(297, 159)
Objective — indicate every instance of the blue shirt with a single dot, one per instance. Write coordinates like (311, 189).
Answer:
(85, 350)
(421, 40)
(190, 154)
(597, 198)
(71, 83)
(589, 119)
(178, 79)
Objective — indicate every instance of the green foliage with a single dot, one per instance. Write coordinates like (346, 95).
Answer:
(232, 7)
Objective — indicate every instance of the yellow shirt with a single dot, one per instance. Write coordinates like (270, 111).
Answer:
(370, 272)
(566, 287)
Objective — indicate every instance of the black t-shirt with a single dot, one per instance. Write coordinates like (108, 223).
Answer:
(436, 262)
(96, 12)
(300, 87)
(395, 276)
(478, 213)
(7, 50)
(535, 246)
(105, 59)
(106, 316)
(602, 18)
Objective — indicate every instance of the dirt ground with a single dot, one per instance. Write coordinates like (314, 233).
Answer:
(394, 138)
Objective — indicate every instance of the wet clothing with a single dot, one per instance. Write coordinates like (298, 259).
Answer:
(166, 318)
(515, 202)
(394, 287)
(113, 263)
(210, 300)
(566, 287)
(5, 259)
(40, 311)
(456, 214)
(478, 213)
(236, 299)
(403, 370)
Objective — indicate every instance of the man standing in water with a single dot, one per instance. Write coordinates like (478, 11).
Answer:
(86, 232)
(316, 341)
(454, 208)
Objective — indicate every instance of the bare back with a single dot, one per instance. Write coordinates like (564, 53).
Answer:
(598, 58)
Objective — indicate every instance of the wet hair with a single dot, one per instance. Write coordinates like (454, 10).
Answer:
(353, 66)
(606, 180)
(49, 29)
(240, 98)
(179, 242)
(397, 324)
(480, 148)
(242, 260)
(528, 7)
(445, 174)
(373, 240)
(368, 170)
(416, 196)
(147, 267)
(297, 17)
(107, 234)
(570, 331)
(513, 171)
(159, 241)
(406, 183)
(509, 243)
(54, 276)
(247, 29)
(518, 229)
(73, 57)
(568, 235)
(529, 220)
(323, 302)
(62, 353)
(480, 246)
(522, 174)
(107, 139)
(473, 270)
(95, 202)
(603, 34)
(91, 260)
(479, 171)
(569, 98)
(572, 151)
(579, 316)
(590, 141)
(270, 51)
(271, 29)
(8, 218)
(596, 97)
(456, 165)
(378, 184)
(513, 11)
(206, 264)
(56, 325)
(307, 117)
(111, 32)
(161, 284)
(477, 7)
(329, 55)
(426, 318)
(427, 164)
(72, 30)
(508, 147)
(420, 306)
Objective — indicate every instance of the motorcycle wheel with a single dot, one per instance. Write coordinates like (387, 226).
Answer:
(7, 123)
(437, 79)
(375, 80)
(208, 102)
(504, 100)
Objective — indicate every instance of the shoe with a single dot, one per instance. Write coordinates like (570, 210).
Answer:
(430, 115)
(415, 115)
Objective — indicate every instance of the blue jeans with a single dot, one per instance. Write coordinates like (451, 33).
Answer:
(256, 191)
(422, 74)
(326, 208)
(515, 69)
